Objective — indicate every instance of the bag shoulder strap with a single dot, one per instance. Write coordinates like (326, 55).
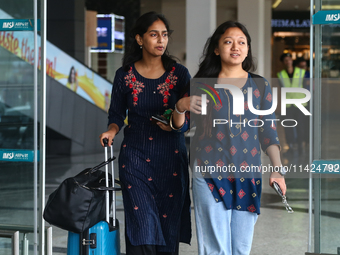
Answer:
(104, 163)
(260, 83)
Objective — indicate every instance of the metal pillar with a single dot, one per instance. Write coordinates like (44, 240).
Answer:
(42, 128)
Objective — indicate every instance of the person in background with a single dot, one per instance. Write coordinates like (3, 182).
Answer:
(293, 77)
(72, 81)
(302, 63)
(153, 162)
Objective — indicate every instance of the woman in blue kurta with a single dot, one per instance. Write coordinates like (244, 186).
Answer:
(153, 164)
(226, 156)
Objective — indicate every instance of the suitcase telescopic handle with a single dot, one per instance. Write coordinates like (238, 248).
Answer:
(107, 197)
(106, 141)
(114, 191)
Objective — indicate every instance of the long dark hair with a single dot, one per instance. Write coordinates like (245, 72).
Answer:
(134, 52)
(70, 75)
(210, 65)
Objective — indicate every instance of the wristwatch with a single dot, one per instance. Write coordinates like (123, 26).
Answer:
(283, 171)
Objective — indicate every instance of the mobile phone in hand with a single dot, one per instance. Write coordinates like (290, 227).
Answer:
(159, 118)
(277, 188)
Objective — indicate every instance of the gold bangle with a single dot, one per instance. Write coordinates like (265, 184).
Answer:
(171, 125)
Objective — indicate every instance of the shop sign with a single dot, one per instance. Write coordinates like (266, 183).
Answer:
(326, 17)
(18, 25)
(17, 155)
(291, 23)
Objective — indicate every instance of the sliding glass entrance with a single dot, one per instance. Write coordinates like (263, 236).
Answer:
(21, 187)
(326, 126)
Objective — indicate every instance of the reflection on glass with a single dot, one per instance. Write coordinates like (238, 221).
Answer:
(330, 146)
(16, 138)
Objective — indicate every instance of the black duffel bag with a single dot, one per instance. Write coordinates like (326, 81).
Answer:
(79, 202)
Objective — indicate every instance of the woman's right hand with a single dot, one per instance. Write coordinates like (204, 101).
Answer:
(109, 135)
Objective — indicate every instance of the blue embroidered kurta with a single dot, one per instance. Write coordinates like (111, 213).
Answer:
(237, 148)
(153, 163)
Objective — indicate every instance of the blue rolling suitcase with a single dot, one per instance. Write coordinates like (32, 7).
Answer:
(103, 238)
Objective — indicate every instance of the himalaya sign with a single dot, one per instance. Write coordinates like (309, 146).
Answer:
(17, 155)
(17, 25)
(291, 23)
(326, 17)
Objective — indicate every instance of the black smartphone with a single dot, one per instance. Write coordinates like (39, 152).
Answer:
(159, 118)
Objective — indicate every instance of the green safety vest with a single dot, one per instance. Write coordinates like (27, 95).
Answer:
(295, 82)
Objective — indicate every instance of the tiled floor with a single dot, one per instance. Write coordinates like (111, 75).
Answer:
(276, 231)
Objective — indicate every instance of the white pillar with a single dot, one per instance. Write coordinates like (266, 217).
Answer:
(253, 14)
(268, 39)
(200, 24)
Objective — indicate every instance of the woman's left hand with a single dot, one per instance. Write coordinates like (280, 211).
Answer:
(164, 127)
(280, 180)
(192, 104)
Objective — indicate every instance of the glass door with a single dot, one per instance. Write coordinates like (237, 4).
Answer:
(20, 190)
(326, 126)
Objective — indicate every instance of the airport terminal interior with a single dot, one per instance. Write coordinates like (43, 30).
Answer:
(52, 112)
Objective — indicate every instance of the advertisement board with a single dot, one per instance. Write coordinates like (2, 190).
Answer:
(60, 66)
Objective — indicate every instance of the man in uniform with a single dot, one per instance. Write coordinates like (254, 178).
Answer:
(293, 77)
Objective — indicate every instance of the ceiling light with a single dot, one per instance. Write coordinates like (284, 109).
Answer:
(330, 7)
(276, 4)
